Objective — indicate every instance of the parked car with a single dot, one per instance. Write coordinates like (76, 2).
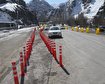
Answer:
(54, 31)
(62, 28)
(102, 28)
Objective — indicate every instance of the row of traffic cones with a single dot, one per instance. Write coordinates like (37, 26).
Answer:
(51, 45)
(24, 58)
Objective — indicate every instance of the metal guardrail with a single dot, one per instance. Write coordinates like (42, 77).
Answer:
(7, 28)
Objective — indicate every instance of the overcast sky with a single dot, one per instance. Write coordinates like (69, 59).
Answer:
(51, 1)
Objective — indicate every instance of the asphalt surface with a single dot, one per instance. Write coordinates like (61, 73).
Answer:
(83, 58)
(11, 43)
(39, 66)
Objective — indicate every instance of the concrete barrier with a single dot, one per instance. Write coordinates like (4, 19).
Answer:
(97, 31)
(77, 29)
(87, 30)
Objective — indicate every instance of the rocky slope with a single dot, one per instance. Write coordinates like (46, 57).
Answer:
(41, 7)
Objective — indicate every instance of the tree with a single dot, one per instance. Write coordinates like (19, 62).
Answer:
(99, 19)
(71, 21)
(81, 20)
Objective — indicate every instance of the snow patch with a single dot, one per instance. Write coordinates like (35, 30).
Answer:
(9, 6)
(90, 11)
(94, 8)
(13, 33)
(77, 9)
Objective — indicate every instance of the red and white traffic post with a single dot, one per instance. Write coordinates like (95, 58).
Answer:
(60, 56)
(21, 64)
(16, 80)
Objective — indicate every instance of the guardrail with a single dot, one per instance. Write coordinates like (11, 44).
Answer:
(7, 28)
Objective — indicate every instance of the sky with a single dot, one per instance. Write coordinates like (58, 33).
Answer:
(57, 2)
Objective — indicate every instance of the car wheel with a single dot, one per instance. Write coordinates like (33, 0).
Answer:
(61, 36)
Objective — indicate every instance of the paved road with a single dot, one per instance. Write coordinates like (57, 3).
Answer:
(83, 57)
(11, 43)
(39, 63)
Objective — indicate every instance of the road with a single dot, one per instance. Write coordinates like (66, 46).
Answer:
(83, 57)
(11, 42)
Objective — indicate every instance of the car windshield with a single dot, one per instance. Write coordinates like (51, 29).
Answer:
(54, 28)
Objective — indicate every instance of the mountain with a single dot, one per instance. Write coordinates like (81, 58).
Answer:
(11, 11)
(41, 7)
(89, 9)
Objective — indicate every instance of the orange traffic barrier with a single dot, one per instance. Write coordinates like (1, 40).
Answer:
(60, 56)
(25, 60)
(52, 48)
(16, 80)
(21, 64)
(54, 52)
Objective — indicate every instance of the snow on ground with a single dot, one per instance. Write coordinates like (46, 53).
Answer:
(78, 8)
(8, 34)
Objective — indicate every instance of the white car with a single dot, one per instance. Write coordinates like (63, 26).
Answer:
(54, 31)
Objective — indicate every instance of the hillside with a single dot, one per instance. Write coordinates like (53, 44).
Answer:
(74, 9)
(41, 7)
(13, 12)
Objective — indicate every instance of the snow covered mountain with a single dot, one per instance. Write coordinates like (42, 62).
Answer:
(90, 8)
(41, 7)
(5, 17)
(14, 13)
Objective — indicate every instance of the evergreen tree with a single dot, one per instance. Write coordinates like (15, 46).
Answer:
(71, 21)
(81, 20)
